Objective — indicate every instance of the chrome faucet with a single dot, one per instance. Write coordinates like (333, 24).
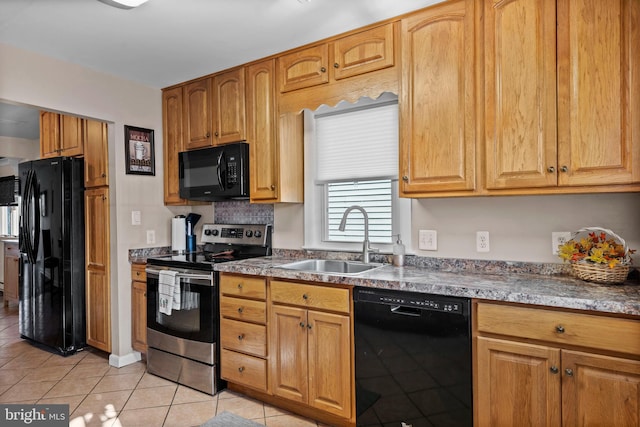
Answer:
(366, 247)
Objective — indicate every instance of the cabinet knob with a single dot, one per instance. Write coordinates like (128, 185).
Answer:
(305, 296)
(145, 294)
(240, 337)
(405, 178)
(104, 175)
(302, 324)
(241, 369)
(554, 369)
(308, 325)
(240, 310)
(216, 133)
(564, 169)
(560, 329)
(208, 134)
(273, 187)
(551, 169)
(323, 69)
(239, 285)
(336, 65)
(568, 372)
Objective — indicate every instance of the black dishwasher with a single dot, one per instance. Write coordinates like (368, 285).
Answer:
(413, 359)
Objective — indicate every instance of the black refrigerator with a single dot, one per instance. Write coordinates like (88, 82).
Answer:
(52, 260)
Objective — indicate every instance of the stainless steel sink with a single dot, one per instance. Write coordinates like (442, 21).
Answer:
(331, 266)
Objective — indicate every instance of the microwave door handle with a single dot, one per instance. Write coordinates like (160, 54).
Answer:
(221, 172)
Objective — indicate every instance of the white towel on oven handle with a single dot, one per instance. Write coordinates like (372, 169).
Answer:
(167, 287)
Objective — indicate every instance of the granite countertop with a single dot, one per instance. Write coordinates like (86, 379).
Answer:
(539, 289)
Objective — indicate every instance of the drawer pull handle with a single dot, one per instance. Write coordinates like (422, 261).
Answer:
(560, 329)
(569, 372)
(240, 337)
(239, 285)
(554, 369)
(241, 369)
(240, 310)
(305, 296)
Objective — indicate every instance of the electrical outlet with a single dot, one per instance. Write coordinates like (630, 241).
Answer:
(559, 238)
(482, 241)
(151, 237)
(428, 240)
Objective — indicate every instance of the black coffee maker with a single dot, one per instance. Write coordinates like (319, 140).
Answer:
(190, 223)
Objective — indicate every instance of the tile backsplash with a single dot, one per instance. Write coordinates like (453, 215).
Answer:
(242, 212)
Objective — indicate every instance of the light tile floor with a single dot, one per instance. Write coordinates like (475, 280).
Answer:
(102, 395)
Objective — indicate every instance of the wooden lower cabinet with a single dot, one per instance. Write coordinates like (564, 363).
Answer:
(560, 379)
(11, 272)
(289, 344)
(139, 307)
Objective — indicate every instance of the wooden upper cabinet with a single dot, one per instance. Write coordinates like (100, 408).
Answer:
(60, 135)
(363, 52)
(96, 154)
(262, 130)
(49, 134)
(228, 107)
(303, 68)
(598, 92)
(437, 111)
(198, 117)
(345, 57)
(172, 126)
(71, 142)
(520, 93)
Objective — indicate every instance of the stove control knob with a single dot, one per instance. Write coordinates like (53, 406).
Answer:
(248, 233)
(207, 232)
(214, 232)
(258, 233)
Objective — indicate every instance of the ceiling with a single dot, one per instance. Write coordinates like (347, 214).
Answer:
(164, 42)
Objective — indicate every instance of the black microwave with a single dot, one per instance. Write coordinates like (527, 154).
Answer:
(215, 173)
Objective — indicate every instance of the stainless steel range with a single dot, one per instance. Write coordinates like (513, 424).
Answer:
(183, 304)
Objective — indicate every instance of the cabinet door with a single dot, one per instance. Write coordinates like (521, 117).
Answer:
(71, 136)
(49, 134)
(198, 118)
(261, 130)
(363, 52)
(139, 316)
(437, 112)
(598, 92)
(304, 68)
(600, 390)
(228, 106)
(330, 362)
(11, 272)
(98, 292)
(520, 93)
(96, 154)
(172, 121)
(288, 347)
(516, 384)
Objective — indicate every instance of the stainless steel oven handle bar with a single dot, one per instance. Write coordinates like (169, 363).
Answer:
(184, 275)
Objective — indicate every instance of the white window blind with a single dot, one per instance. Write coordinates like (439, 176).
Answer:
(357, 144)
(374, 196)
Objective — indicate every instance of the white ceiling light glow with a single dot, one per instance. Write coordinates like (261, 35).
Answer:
(124, 4)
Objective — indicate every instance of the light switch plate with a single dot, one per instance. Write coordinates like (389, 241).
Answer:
(135, 218)
(428, 240)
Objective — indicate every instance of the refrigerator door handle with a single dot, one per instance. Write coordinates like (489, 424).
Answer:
(31, 231)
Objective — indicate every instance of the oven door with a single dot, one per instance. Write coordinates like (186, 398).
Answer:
(196, 318)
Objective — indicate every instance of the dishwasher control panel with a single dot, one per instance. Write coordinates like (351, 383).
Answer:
(414, 299)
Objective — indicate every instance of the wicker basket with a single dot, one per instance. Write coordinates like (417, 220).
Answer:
(601, 273)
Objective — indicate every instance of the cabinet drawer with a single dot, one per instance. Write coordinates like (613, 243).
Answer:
(248, 287)
(599, 332)
(11, 249)
(311, 296)
(244, 337)
(243, 309)
(138, 272)
(242, 369)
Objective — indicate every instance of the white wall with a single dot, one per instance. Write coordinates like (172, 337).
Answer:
(42, 82)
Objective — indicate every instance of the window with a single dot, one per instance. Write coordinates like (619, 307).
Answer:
(352, 159)
(9, 221)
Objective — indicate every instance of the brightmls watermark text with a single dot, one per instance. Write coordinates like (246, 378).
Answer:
(34, 415)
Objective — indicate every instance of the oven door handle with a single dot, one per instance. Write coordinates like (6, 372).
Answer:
(182, 275)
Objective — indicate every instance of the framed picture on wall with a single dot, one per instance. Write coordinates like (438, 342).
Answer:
(139, 151)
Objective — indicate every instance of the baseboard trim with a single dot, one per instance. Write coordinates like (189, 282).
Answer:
(124, 360)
